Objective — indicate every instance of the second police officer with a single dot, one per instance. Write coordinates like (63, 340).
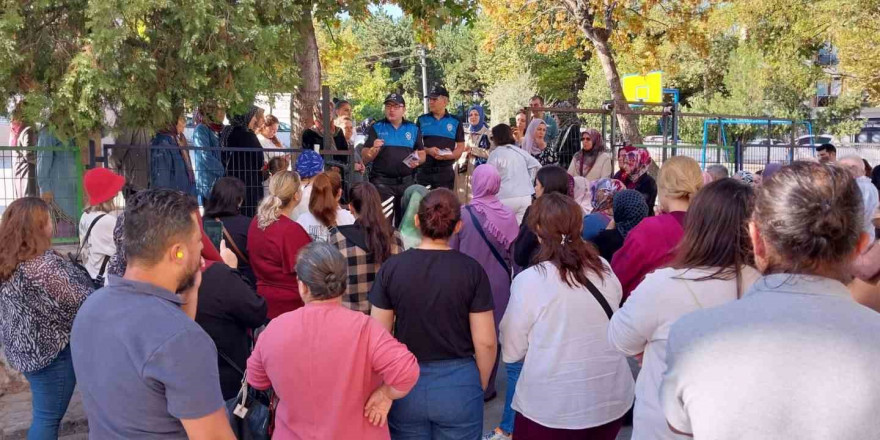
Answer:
(443, 136)
(390, 146)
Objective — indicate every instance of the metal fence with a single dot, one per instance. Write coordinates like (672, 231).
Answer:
(55, 174)
(195, 169)
(735, 141)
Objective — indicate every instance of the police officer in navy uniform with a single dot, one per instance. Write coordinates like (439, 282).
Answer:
(389, 146)
(443, 136)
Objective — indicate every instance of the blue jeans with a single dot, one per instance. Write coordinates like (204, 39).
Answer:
(507, 417)
(51, 388)
(446, 403)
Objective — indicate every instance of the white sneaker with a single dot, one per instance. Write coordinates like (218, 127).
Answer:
(497, 434)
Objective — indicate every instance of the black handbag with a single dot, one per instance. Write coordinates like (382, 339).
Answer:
(252, 412)
(98, 281)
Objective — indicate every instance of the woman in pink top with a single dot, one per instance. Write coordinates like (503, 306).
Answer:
(334, 370)
(649, 245)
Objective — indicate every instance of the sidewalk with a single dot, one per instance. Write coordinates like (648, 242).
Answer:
(15, 418)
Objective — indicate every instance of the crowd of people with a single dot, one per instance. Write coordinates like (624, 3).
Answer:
(386, 310)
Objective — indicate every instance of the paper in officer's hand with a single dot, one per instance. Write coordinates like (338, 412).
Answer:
(412, 160)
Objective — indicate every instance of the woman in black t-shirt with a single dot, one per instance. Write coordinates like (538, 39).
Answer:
(442, 302)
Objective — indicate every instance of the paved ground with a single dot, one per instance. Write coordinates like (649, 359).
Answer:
(15, 415)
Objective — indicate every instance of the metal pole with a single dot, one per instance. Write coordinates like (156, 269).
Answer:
(329, 145)
(769, 142)
(424, 62)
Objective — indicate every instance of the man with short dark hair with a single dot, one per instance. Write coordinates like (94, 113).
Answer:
(827, 153)
(443, 136)
(394, 146)
(145, 368)
(552, 126)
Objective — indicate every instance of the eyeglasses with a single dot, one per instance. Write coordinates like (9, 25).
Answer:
(393, 106)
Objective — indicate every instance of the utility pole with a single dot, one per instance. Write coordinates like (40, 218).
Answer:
(424, 61)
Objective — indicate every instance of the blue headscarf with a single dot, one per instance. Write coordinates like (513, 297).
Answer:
(309, 164)
(480, 125)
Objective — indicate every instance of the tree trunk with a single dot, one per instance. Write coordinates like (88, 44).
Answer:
(629, 127)
(308, 93)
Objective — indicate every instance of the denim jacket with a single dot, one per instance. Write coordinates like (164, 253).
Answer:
(167, 167)
(207, 163)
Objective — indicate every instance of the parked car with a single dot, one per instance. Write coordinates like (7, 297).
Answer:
(816, 139)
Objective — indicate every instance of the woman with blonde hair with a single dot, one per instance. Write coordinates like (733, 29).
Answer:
(274, 240)
(650, 244)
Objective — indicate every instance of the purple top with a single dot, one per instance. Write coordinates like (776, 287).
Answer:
(469, 242)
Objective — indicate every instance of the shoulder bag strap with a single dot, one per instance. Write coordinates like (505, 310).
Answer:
(495, 252)
(230, 362)
(231, 243)
(88, 234)
(601, 299)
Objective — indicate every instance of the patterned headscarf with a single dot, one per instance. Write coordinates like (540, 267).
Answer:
(603, 192)
(528, 142)
(242, 121)
(309, 164)
(745, 176)
(637, 163)
(630, 209)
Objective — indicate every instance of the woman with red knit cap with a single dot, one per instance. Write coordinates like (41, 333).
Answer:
(98, 220)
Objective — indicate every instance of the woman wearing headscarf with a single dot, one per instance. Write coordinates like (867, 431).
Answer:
(476, 141)
(602, 194)
(410, 206)
(634, 174)
(487, 233)
(629, 210)
(308, 165)
(246, 161)
(533, 141)
(746, 177)
(591, 161)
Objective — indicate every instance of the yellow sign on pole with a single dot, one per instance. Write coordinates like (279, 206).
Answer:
(647, 88)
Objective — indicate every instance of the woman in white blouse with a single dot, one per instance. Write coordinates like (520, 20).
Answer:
(517, 169)
(573, 383)
(713, 266)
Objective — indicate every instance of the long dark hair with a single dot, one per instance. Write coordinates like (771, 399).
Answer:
(716, 231)
(367, 202)
(226, 196)
(558, 221)
(810, 215)
(554, 179)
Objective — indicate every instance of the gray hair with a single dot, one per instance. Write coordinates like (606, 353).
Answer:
(322, 267)
(718, 171)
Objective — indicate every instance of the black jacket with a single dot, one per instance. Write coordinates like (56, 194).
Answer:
(228, 310)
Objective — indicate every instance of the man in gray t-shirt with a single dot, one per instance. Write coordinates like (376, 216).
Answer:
(795, 358)
(146, 370)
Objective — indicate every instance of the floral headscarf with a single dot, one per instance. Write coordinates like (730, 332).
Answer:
(603, 192)
(637, 163)
(474, 129)
(745, 176)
